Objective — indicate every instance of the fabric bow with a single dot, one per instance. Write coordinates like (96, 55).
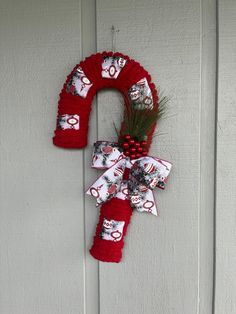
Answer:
(142, 176)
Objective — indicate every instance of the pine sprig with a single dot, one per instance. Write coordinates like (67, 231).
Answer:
(139, 122)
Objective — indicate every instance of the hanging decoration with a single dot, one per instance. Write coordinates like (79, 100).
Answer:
(130, 174)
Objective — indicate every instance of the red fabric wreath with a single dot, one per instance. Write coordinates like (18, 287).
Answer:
(105, 70)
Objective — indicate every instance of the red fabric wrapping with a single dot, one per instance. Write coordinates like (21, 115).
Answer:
(105, 250)
(73, 138)
(69, 104)
(74, 104)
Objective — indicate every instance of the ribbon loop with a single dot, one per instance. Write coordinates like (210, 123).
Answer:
(146, 171)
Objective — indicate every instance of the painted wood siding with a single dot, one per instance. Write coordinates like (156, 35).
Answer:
(225, 277)
(182, 262)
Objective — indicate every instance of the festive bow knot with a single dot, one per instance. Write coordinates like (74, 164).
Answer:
(144, 175)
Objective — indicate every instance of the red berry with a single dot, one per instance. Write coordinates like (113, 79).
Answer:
(138, 155)
(144, 153)
(137, 144)
(126, 152)
(143, 143)
(140, 149)
(125, 145)
(127, 137)
(131, 142)
(132, 149)
(132, 156)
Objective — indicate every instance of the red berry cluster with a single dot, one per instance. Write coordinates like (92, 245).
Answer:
(133, 148)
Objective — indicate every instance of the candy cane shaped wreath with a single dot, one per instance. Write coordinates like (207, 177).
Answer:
(131, 175)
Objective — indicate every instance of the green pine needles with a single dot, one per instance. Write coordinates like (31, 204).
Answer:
(139, 122)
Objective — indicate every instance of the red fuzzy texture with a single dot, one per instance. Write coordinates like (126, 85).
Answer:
(105, 250)
(74, 104)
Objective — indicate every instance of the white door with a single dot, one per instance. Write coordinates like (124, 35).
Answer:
(182, 262)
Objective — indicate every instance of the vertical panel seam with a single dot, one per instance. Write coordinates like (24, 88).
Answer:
(86, 8)
(84, 217)
(215, 153)
(204, 29)
(199, 194)
(97, 130)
